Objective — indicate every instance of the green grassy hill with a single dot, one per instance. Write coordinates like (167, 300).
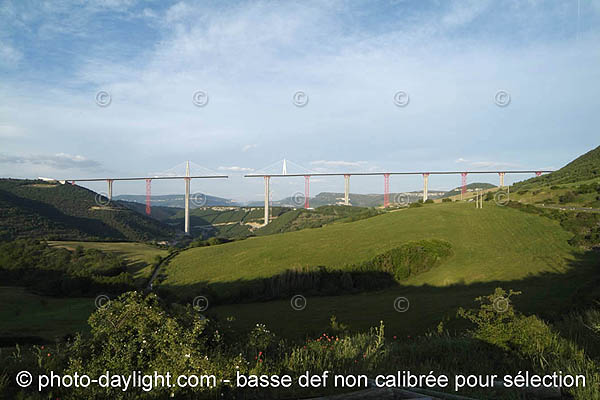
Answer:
(495, 243)
(583, 168)
(37, 209)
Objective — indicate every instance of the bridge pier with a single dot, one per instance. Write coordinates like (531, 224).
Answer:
(501, 174)
(148, 195)
(267, 181)
(425, 186)
(346, 189)
(386, 190)
(110, 183)
(463, 189)
(538, 173)
(187, 198)
(306, 191)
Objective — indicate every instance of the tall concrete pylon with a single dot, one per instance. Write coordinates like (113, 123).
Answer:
(501, 174)
(110, 183)
(346, 190)
(425, 186)
(284, 167)
(267, 181)
(187, 198)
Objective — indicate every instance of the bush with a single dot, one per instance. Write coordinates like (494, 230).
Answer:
(446, 200)
(410, 259)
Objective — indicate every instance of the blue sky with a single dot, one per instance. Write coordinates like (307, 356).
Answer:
(349, 57)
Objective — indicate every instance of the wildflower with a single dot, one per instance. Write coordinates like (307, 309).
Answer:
(48, 354)
(394, 337)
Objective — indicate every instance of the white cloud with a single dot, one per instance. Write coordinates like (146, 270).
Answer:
(236, 169)
(10, 131)
(249, 147)
(488, 164)
(58, 161)
(338, 163)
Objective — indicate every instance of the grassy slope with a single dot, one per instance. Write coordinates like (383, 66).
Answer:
(138, 255)
(31, 208)
(27, 314)
(493, 243)
(583, 168)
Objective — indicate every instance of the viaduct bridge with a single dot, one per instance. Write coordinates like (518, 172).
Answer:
(267, 180)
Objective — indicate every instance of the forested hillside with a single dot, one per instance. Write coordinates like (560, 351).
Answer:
(38, 209)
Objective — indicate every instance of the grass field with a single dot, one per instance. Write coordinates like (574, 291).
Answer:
(138, 255)
(495, 246)
(495, 243)
(24, 314)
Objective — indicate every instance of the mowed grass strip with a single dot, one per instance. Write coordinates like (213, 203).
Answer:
(139, 256)
(494, 243)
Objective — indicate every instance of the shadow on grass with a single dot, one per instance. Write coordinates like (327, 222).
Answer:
(362, 299)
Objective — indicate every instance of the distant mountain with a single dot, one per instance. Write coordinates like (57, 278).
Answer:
(178, 200)
(50, 210)
(160, 213)
(357, 200)
(582, 168)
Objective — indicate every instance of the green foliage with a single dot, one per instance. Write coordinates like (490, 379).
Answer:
(57, 271)
(140, 333)
(410, 259)
(37, 209)
(583, 168)
(135, 333)
(532, 339)
(584, 226)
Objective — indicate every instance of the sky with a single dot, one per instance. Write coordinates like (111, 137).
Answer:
(121, 88)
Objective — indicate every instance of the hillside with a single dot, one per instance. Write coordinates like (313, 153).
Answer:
(470, 187)
(242, 222)
(495, 243)
(178, 200)
(583, 168)
(161, 213)
(37, 209)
